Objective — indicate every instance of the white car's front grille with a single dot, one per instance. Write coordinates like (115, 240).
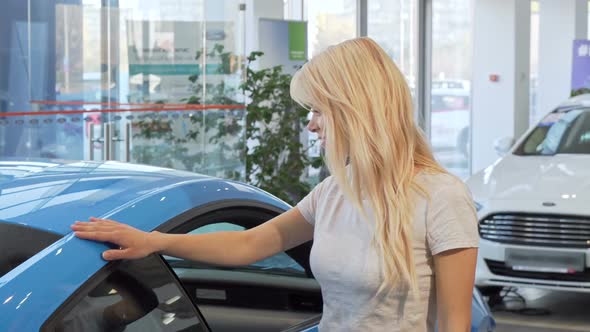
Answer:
(537, 230)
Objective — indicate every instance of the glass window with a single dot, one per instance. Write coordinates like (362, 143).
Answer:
(140, 295)
(330, 22)
(394, 25)
(559, 132)
(15, 251)
(450, 116)
(280, 263)
(125, 55)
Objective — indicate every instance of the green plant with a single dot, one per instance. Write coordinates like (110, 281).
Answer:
(277, 163)
(580, 91)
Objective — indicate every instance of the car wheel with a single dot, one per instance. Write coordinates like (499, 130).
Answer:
(463, 142)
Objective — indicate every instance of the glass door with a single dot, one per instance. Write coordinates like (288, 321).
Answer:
(178, 85)
(56, 61)
(450, 126)
(127, 80)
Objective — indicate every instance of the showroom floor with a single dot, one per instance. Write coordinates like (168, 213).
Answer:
(545, 311)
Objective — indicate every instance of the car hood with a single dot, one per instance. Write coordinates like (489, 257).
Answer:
(551, 178)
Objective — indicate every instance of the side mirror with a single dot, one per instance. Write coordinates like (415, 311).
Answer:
(503, 144)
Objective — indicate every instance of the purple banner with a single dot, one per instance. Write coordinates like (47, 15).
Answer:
(581, 67)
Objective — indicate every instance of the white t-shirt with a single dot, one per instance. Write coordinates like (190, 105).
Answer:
(347, 267)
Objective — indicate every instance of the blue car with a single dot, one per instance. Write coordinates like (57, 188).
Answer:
(52, 281)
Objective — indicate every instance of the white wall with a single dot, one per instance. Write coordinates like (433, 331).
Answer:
(560, 22)
(501, 46)
(295, 10)
(256, 9)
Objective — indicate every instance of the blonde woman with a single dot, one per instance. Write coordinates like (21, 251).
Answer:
(395, 236)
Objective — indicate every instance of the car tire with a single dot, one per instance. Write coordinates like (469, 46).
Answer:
(463, 142)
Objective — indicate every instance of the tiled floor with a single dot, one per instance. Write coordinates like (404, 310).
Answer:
(564, 311)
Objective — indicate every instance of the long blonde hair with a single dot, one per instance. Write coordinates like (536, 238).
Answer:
(373, 146)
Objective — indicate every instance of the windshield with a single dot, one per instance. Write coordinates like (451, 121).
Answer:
(562, 131)
(449, 102)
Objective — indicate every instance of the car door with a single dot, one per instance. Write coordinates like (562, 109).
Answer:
(271, 295)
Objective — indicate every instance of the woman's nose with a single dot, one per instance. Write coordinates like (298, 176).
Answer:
(311, 126)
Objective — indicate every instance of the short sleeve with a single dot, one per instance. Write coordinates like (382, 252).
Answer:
(308, 205)
(451, 222)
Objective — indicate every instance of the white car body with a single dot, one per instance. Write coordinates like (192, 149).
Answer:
(534, 214)
(450, 113)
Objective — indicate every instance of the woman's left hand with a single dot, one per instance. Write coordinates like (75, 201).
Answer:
(133, 243)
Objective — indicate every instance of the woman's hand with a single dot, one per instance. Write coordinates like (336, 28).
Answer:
(133, 243)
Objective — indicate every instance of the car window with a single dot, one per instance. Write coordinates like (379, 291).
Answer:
(140, 295)
(280, 263)
(14, 250)
(566, 131)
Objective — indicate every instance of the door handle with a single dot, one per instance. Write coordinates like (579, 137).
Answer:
(108, 139)
(91, 142)
(128, 142)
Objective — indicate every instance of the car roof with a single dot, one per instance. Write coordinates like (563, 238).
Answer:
(582, 100)
(51, 195)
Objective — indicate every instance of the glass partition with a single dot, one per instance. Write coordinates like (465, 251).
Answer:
(175, 137)
(394, 25)
(128, 80)
(450, 126)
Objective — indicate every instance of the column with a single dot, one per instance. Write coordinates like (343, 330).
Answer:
(500, 87)
(256, 9)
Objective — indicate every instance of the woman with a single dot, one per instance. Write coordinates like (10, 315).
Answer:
(395, 236)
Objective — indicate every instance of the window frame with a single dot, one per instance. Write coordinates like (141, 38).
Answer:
(247, 214)
(39, 240)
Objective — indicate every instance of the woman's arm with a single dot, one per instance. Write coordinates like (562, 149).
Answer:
(455, 275)
(224, 248)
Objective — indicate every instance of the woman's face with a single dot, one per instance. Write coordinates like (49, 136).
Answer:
(316, 125)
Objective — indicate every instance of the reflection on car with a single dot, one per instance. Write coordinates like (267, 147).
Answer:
(52, 281)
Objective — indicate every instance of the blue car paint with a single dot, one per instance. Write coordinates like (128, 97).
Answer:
(71, 192)
(142, 196)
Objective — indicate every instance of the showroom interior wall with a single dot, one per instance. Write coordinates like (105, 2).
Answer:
(501, 47)
(256, 9)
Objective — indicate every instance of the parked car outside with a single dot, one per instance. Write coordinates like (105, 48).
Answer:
(534, 217)
(52, 281)
(450, 116)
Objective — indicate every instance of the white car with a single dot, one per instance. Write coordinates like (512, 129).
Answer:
(450, 106)
(533, 206)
